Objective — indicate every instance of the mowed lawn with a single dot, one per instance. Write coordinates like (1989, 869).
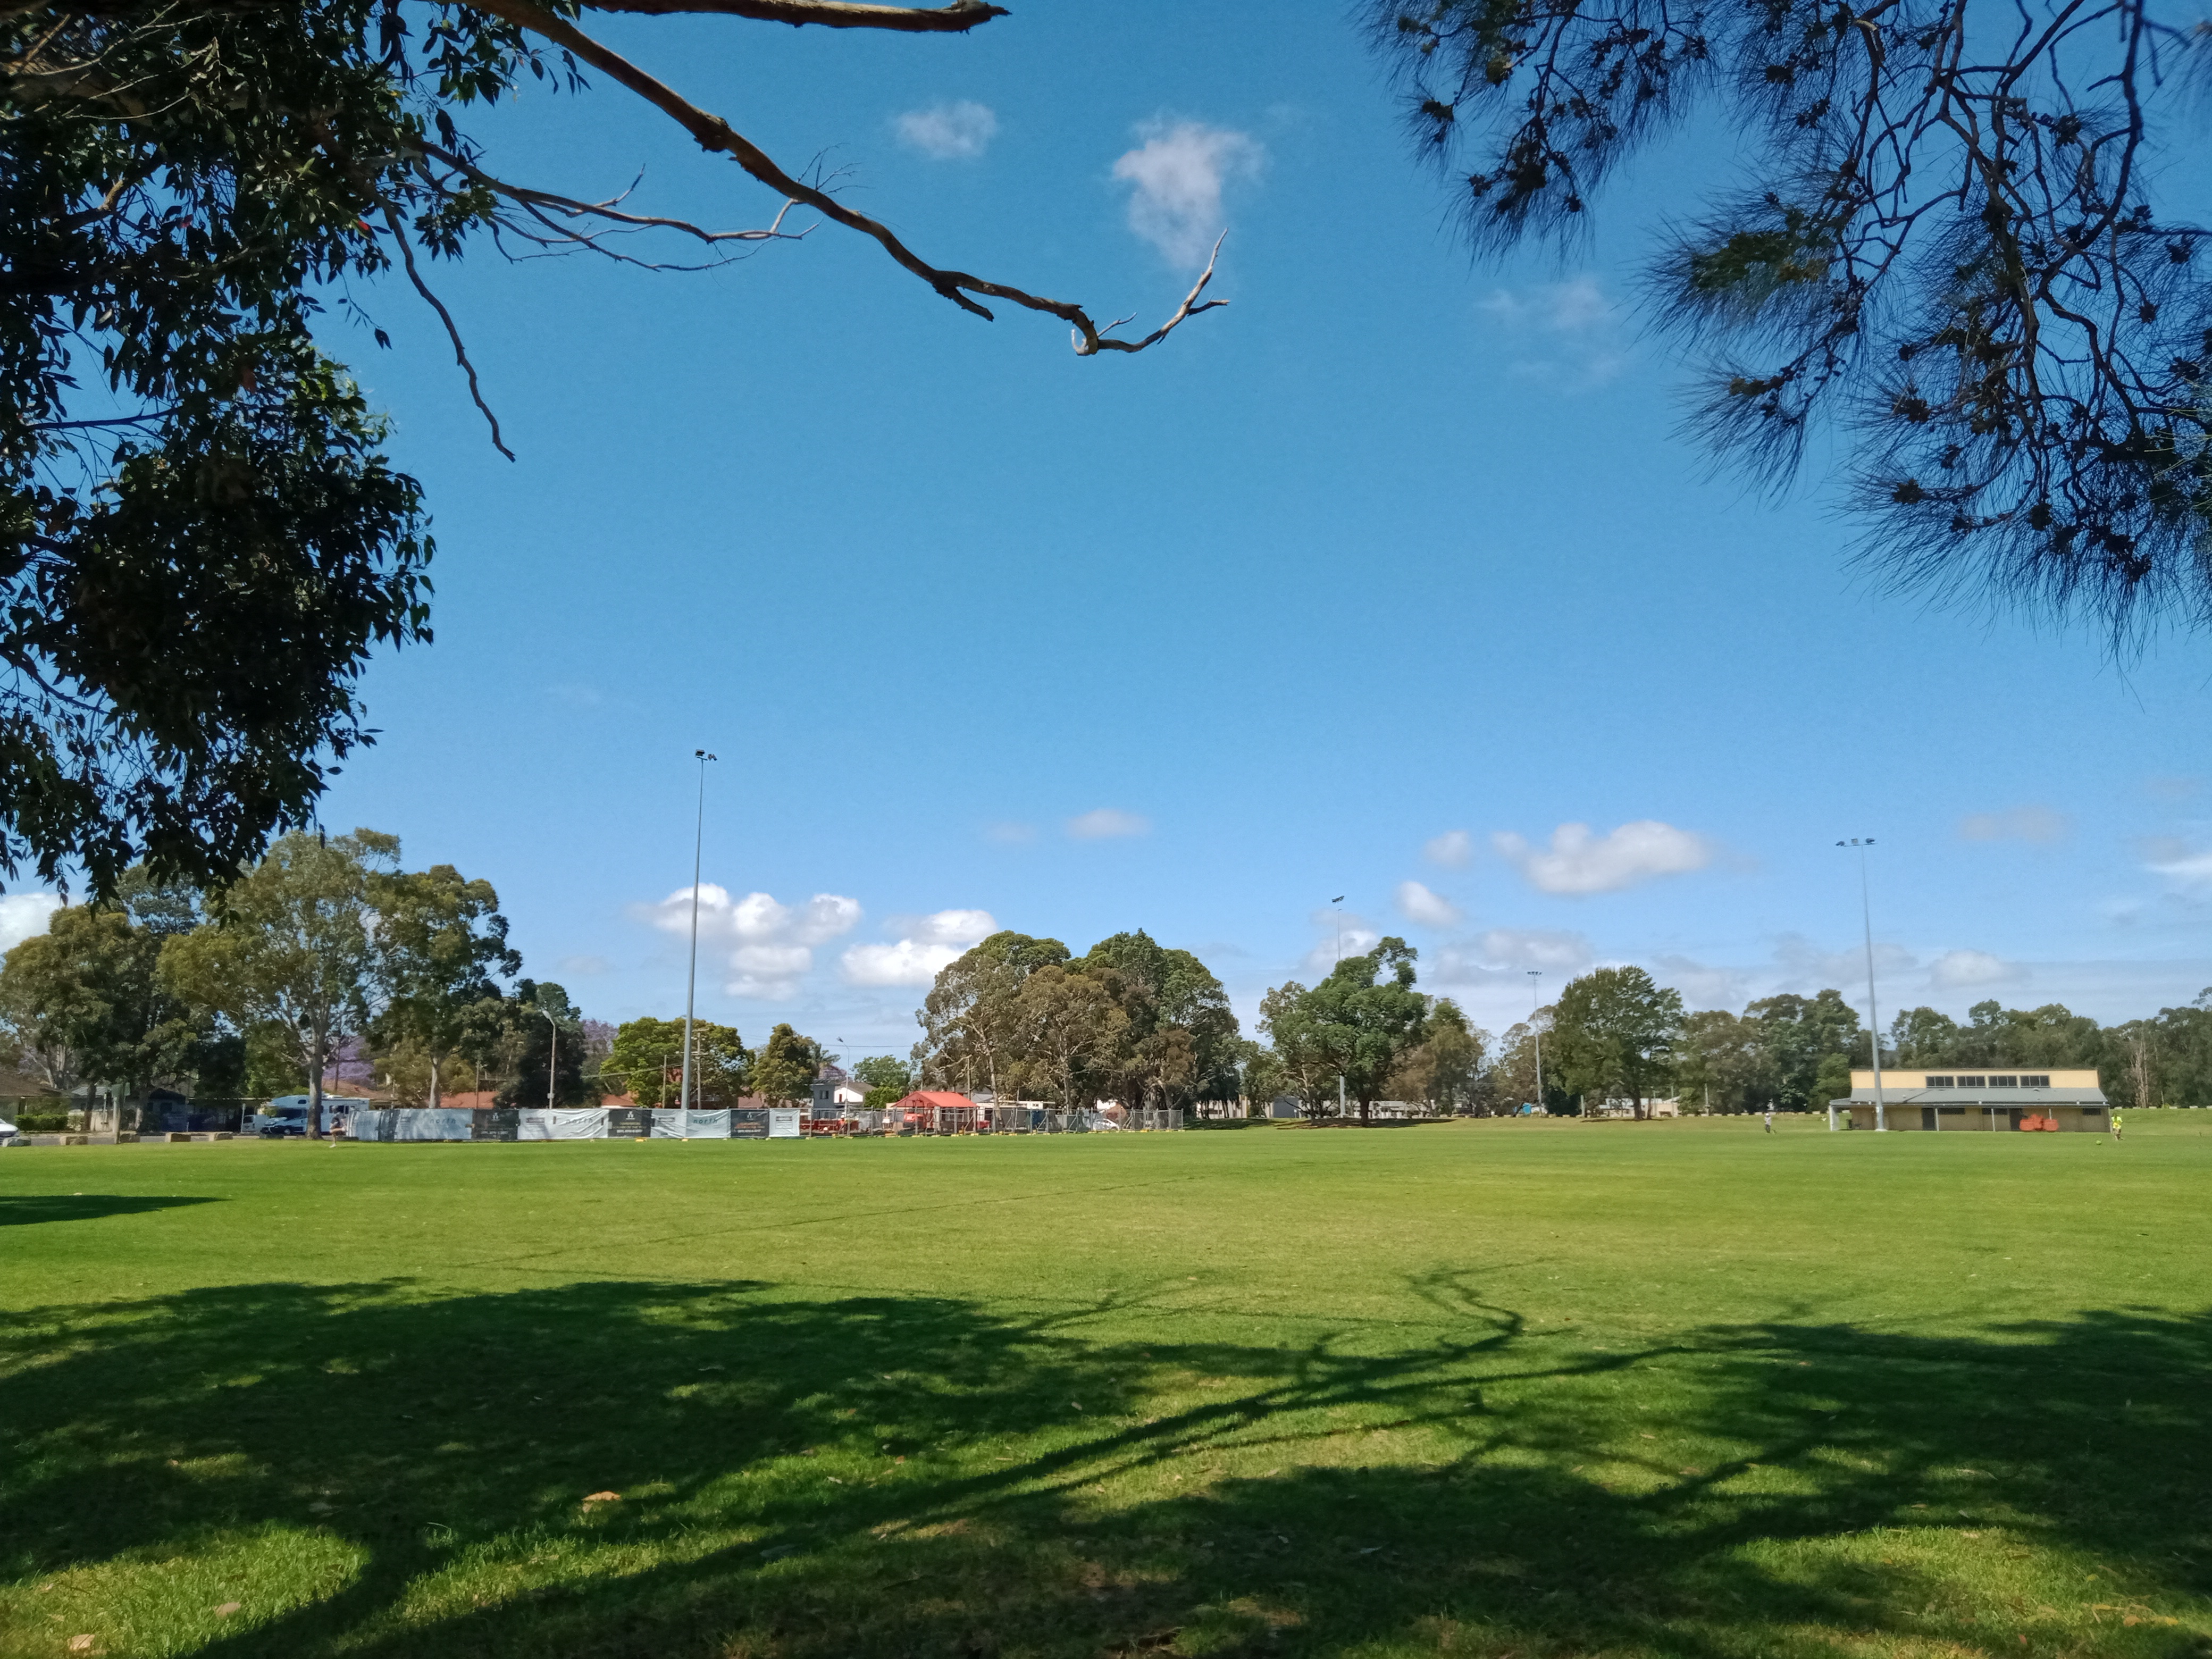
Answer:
(1499, 1388)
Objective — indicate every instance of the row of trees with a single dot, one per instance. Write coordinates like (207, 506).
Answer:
(1616, 1035)
(327, 947)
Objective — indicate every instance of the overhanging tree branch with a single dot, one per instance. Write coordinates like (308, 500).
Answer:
(713, 133)
(956, 18)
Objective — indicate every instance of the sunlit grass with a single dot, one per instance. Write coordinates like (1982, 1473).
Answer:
(1528, 1389)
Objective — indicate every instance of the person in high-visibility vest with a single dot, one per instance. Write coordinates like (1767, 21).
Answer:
(2116, 1123)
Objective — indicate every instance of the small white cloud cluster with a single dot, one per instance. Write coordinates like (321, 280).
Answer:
(927, 944)
(1176, 176)
(1454, 850)
(1425, 907)
(1580, 862)
(772, 943)
(957, 131)
(1966, 970)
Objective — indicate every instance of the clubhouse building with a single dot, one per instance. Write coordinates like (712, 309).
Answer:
(1980, 1101)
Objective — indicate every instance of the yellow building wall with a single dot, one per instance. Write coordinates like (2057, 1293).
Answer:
(1906, 1083)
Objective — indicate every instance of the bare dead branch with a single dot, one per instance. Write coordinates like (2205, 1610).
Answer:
(713, 133)
(957, 18)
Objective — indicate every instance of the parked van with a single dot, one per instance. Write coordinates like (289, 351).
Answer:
(283, 1116)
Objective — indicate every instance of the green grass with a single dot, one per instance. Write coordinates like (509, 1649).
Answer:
(1528, 1389)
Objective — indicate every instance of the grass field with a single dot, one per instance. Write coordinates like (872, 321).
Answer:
(1527, 1390)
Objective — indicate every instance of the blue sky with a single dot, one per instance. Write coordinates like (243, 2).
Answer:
(1393, 572)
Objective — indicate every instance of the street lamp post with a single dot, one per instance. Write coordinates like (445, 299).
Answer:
(553, 1064)
(1339, 903)
(691, 978)
(1536, 1002)
(1873, 1016)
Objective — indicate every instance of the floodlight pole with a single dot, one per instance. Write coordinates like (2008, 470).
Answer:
(1873, 1016)
(691, 979)
(553, 1064)
(1536, 1002)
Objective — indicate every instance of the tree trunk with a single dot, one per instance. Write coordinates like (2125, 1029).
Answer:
(434, 1071)
(319, 1041)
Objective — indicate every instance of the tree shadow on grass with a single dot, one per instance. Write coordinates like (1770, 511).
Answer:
(896, 1476)
(29, 1210)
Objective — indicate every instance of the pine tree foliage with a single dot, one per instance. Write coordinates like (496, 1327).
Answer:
(1946, 238)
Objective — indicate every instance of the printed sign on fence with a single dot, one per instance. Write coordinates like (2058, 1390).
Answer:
(501, 1124)
(782, 1125)
(626, 1122)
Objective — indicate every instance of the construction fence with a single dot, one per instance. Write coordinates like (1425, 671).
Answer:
(395, 1123)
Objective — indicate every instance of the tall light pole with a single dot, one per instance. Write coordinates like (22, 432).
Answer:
(1339, 903)
(691, 979)
(553, 1065)
(1873, 1017)
(1536, 1001)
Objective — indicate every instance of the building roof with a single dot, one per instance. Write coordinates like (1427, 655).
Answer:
(1896, 1097)
(940, 1097)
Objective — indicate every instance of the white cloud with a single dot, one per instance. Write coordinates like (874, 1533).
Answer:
(1454, 850)
(1805, 967)
(1425, 907)
(775, 942)
(1106, 824)
(1574, 307)
(956, 131)
(1959, 971)
(22, 915)
(1338, 933)
(1568, 333)
(1178, 171)
(2038, 824)
(1579, 862)
(927, 944)
(1702, 984)
(2188, 868)
(1554, 949)
(586, 967)
(1011, 834)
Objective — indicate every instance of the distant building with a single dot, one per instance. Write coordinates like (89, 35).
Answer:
(835, 1094)
(1985, 1101)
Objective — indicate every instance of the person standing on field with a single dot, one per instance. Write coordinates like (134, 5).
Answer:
(2116, 1123)
(1769, 1117)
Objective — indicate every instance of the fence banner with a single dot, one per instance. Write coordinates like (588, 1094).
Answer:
(565, 1123)
(783, 1125)
(673, 1123)
(629, 1122)
(748, 1122)
(413, 1123)
(501, 1124)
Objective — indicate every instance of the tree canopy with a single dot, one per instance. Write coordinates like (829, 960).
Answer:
(1942, 234)
(1614, 1028)
(1360, 1024)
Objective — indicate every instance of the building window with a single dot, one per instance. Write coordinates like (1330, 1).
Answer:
(2004, 1082)
(2042, 1082)
(1952, 1111)
(1942, 1083)
(2093, 1111)
(1970, 1083)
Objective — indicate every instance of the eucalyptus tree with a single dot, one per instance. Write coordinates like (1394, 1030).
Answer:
(439, 949)
(1358, 1025)
(289, 948)
(1956, 231)
(1614, 1029)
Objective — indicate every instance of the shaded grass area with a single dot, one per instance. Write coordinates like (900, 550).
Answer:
(1446, 1392)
